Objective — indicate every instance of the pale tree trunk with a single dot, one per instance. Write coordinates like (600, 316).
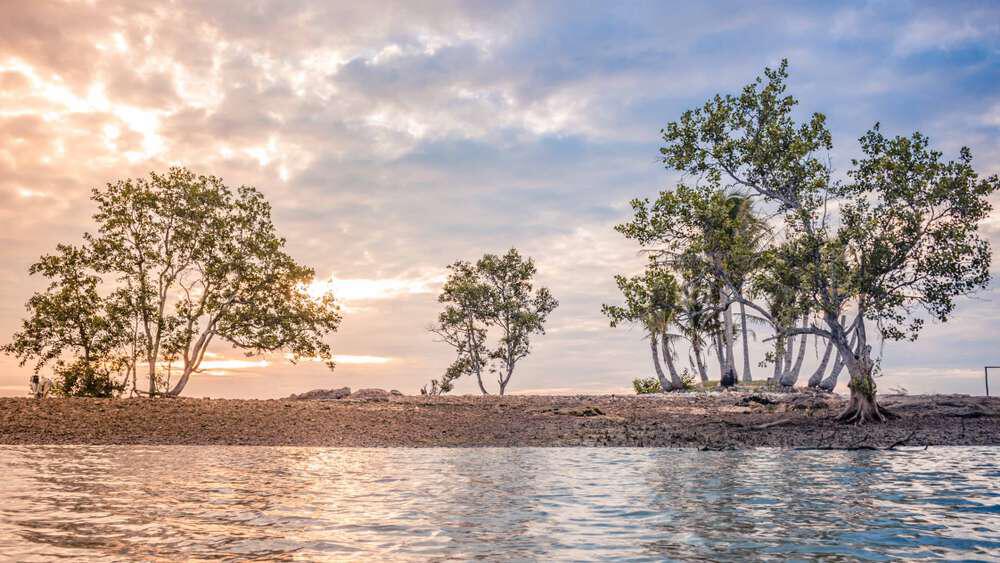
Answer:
(193, 359)
(152, 376)
(479, 377)
(803, 344)
(817, 377)
(747, 376)
(779, 360)
(728, 378)
(699, 360)
(720, 353)
(789, 354)
(664, 382)
(181, 383)
(829, 383)
(791, 376)
(505, 380)
(668, 358)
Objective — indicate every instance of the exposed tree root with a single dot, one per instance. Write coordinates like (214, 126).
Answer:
(864, 411)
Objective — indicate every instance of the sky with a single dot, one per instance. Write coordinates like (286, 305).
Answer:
(395, 138)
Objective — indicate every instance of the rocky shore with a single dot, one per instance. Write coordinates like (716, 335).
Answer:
(384, 419)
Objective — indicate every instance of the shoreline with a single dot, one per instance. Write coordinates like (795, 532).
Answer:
(705, 421)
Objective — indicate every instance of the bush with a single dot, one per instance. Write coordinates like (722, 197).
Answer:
(687, 380)
(645, 386)
(83, 379)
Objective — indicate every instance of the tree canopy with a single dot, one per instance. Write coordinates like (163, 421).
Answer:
(177, 261)
(495, 295)
(895, 239)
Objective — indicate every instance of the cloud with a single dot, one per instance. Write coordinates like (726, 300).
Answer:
(353, 291)
(937, 32)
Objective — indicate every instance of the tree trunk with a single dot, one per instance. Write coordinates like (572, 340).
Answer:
(862, 407)
(728, 378)
(803, 343)
(664, 382)
(152, 377)
(747, 376)
(789, 353)
(181, 383)
(668, 358)
(830, 382)
(699, 360)
(779, 360)
(505, 380)
(817, 377)
(719, 353)
(791, 377)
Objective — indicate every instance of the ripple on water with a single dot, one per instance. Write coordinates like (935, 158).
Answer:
(180, 502)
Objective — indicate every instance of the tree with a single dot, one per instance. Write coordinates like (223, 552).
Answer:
(496, 294)
(745, 238)
(904, 241)
(696, 322)
(187, 261)
(652, 300)
(72, 326)
(704, 229)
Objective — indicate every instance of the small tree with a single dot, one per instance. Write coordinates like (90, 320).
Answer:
(704, 230)
(494, 295)
(652, 300)
(71, 326)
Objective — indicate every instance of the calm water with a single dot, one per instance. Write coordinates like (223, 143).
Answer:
(514, 503)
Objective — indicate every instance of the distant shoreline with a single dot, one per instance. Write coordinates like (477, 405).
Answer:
(726, 421)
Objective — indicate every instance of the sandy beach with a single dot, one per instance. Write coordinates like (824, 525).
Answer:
(706, 421)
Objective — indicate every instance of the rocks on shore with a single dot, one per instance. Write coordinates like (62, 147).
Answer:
(372, 394)
(322, 394)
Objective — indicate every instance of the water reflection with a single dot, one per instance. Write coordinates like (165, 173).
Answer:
(513, 503)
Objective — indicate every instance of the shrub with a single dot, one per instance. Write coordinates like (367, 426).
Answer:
(645, 386)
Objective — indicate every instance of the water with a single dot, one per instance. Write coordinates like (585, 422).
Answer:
(177, 502)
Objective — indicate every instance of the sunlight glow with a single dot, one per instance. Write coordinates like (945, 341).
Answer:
(348, 290)
(233, 364)
(348, 359)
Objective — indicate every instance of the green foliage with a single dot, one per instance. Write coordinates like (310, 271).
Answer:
(910, 231)
(87, 379)
(651, 299)
(896, 241)
(907, 231)
(71, 326)
(494, 294)
(182, 260)
(647, 385)
(687, 381)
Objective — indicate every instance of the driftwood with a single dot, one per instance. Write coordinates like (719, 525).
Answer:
(860, 445)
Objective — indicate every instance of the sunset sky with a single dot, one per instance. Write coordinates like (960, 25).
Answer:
(393, 139)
